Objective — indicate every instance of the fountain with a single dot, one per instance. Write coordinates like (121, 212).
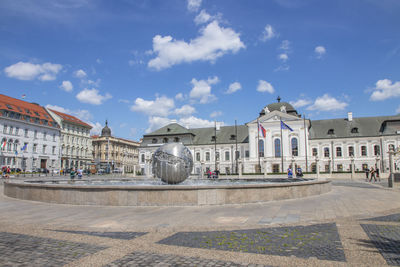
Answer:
(172, 164)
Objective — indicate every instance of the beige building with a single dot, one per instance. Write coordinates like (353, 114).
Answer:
(75, 142)
(115, 154)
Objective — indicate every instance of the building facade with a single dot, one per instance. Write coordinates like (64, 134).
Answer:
(115, 154)
(29, 136)
(280, 138)
(75, 141)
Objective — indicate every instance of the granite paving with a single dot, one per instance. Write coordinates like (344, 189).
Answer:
(26, 250)
(388, 218)
(386, 238)
(144, 259)
(354, 184)
(116, 235)
(319, 240)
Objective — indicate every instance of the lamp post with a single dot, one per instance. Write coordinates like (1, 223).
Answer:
(352, 166)
(391, 167)
(317, 166)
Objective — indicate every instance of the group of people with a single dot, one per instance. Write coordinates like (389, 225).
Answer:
(214, 174)
(73, 173)
(299, 172)
(372, 173)
(5, 170)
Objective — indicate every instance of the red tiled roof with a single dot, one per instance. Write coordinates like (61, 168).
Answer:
(71, 118)
(25, 108)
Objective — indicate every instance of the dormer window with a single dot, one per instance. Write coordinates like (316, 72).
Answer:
(213, 139)
(165, 140)
(8, 106)
(168, 129)
(176, 139)
(154, 140)
(233, 137)
(331, 131)
(354, 130)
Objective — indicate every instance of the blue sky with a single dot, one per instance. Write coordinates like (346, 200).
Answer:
(141, 64)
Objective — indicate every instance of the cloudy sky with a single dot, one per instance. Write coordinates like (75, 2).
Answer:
(141, 64)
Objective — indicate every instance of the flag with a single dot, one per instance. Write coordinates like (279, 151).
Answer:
(16, 152)
(285, 126)
(262, 129)
(3, 145)
(24, 147)
(23, 96)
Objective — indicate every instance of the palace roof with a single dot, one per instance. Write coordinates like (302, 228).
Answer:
(70, 118)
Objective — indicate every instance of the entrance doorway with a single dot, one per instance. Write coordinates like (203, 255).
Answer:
(43, 163)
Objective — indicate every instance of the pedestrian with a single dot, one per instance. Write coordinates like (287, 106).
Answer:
(72, 174)
(79, 173)
(208, 174)
(377, 174)
(366, 174)
(372, 171)
(290, 173)
(299, 172)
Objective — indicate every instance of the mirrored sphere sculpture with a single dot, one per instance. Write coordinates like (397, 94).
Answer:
(172, 163)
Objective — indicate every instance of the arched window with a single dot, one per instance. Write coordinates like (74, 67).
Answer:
(142, 158)
(9, 145)
(154, 140)
(165, 140)
(261, 148)
(227, 156)
(363, 151)
(176, 139)
(351, 151)
(295, 147)
(198, 156)
(207, 156)
(377, 151)
(277, 145)
(338, 151)
(326, 152)
(391, 147)
(315, 152)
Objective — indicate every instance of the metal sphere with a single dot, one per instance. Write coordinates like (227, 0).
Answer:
(172, 163)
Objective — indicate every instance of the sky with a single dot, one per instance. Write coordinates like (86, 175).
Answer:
(145, 63)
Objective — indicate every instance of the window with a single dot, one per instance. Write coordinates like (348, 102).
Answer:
(377, 151)
(217, 155)
(331, 131)
(277, 145)
(8, 106)
(261, 148)
(315, 152)
(154, 141)
(26, 132)
(9, 145)
(34, 148)
(5, 129)
(354, 130)
(233, 137)
(327, 168)
(176, 139)
(275, 168)
(53, 150)
(16, 130)
(11, 130)
(227, 155)
(363, 151)
(213, 139)
(54, 137)
(351, 151)
(44, 135)
(198, 156)
(165, 140)
(338, 152)
(207, 156)
(237, 154)
(44, 149)
(295, 147)
(35, 134)
(391, 147)
(246, 154)
(326, 152)
(339, 167)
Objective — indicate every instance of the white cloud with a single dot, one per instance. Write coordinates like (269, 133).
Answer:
(214, 41)
(82, 114)
(282, 68)
(160, 107)
(285, 45)
(320, 51)
(202, 17)
(125, 101)
(96, 128)
(194, 122)
(233, 87)
(99, 61)
(123, 125)
(264, 86)
(185, 110)
(156, 122)
(385, 89)
(66, 86)
(80, 74)
(179, 97)
(193, 5)
(92, 96)
(398, 110)
(300, 103)
(284, 57)
(94, 83)
(201, 90)
(28, 71)
(268, 33)
(215, 114)
(327, 103)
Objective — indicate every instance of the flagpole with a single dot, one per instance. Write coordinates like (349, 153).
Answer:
(281, 143)
(305, 141)
(215, 144)
(258, 145)
(236, 152)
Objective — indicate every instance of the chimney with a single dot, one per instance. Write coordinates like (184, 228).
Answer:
(350, 116)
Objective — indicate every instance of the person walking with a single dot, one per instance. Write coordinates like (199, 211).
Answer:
(372, 171)
(366, 174)
(290, 172)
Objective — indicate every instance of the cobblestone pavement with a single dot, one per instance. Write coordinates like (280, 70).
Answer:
(356, 224)
(320, 240)
(386, 238)
(145, 259)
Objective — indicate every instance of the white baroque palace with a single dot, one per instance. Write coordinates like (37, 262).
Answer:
(76, 144)
(29, 135)
(332, 145)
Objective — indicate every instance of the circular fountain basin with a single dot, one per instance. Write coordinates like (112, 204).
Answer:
(131, 192)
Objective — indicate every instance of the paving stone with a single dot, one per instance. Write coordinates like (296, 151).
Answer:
(321, 241)
(152, 259)
(116, 235)
(353, 184)
(386, 238)
(388, 218)
(25, 250)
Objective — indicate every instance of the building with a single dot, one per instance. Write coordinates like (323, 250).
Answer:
(115, 154)
(75, 141)
(278, 138)
(29, 135)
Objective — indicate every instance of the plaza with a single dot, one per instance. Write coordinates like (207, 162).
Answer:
(355, 224)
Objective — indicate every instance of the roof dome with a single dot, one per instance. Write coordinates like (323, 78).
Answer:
(106, 131)
(279, 106)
